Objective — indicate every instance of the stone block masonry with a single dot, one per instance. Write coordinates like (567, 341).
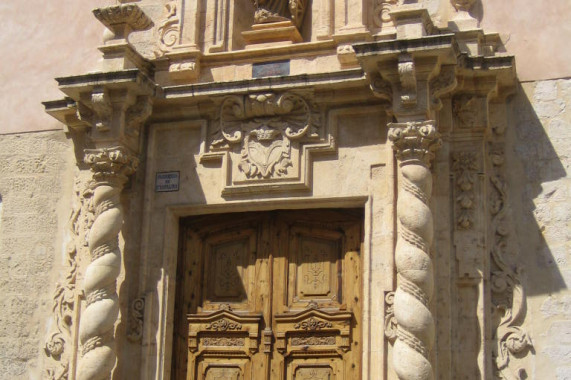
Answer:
(36, 172)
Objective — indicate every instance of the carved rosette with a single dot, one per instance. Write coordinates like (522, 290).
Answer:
(265, 125)
(414, 143)
(465, 170)
(111, 168)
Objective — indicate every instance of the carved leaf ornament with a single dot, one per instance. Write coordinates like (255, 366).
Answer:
(265, 125)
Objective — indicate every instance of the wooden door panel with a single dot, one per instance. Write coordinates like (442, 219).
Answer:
(314, 268)
(230, 258)
(269, 296)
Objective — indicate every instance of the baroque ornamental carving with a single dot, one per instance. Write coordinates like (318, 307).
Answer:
(169, 29)
(59, 343)
(465, 170)
(272, 132)
(508, 294)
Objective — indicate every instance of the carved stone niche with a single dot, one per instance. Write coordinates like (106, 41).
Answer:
(265, 141)
(313, 332)
(223, 331)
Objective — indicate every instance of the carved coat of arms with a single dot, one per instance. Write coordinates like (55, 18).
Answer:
(265, 125)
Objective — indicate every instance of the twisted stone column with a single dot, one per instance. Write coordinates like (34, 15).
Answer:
(414, 143)
(111, 168)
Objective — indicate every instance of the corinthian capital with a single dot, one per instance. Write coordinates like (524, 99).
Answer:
(111, 165)
(414, 142)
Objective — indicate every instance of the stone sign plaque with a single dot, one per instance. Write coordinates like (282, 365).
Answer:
(270, 69)
(167, 181)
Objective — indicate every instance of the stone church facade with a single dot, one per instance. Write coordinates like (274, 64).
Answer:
(272, 189)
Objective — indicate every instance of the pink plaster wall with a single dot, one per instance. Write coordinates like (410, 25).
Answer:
(42, 40)
(538, 33)
(45, 39)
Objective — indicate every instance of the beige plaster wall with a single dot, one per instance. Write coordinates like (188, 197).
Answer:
(42, 40)
(536, 32)
(36, 174)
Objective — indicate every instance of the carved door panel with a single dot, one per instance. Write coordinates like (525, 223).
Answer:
(316, 295)
(221, 272)
(269, 296)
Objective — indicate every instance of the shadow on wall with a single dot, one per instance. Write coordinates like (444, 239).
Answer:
(540, 190)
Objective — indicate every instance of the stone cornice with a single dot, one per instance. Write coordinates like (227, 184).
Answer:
(345, 78)
(134, 79)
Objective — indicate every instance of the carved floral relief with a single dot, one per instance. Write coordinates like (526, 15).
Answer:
(508, 294)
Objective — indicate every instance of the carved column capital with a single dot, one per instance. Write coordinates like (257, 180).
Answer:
(112, 166)
(414, 142)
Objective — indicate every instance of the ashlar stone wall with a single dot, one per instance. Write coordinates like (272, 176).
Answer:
(36, 174)
(540, 185)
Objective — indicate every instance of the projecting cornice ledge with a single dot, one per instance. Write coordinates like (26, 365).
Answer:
(104, 109)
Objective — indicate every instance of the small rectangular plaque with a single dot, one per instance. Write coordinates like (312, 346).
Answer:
(167, 181)
(270, 69)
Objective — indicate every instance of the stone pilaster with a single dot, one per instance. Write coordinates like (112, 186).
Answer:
(414, 144)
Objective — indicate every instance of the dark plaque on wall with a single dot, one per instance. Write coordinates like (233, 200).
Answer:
(167, 181)
(270, 69)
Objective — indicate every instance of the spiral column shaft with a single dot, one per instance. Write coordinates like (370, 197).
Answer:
(414, 144)
(111, 168)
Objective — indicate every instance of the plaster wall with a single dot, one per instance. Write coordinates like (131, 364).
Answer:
(536, 32)
(41, 41)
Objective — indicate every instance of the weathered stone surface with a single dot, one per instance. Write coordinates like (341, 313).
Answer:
(473, 295)
(34, 185)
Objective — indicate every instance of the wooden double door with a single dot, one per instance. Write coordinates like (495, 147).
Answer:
(272, 295)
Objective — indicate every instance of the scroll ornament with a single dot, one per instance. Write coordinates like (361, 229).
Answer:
(265, 125)
(169, 29)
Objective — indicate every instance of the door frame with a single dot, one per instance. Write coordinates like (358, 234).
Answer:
(379, 235)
